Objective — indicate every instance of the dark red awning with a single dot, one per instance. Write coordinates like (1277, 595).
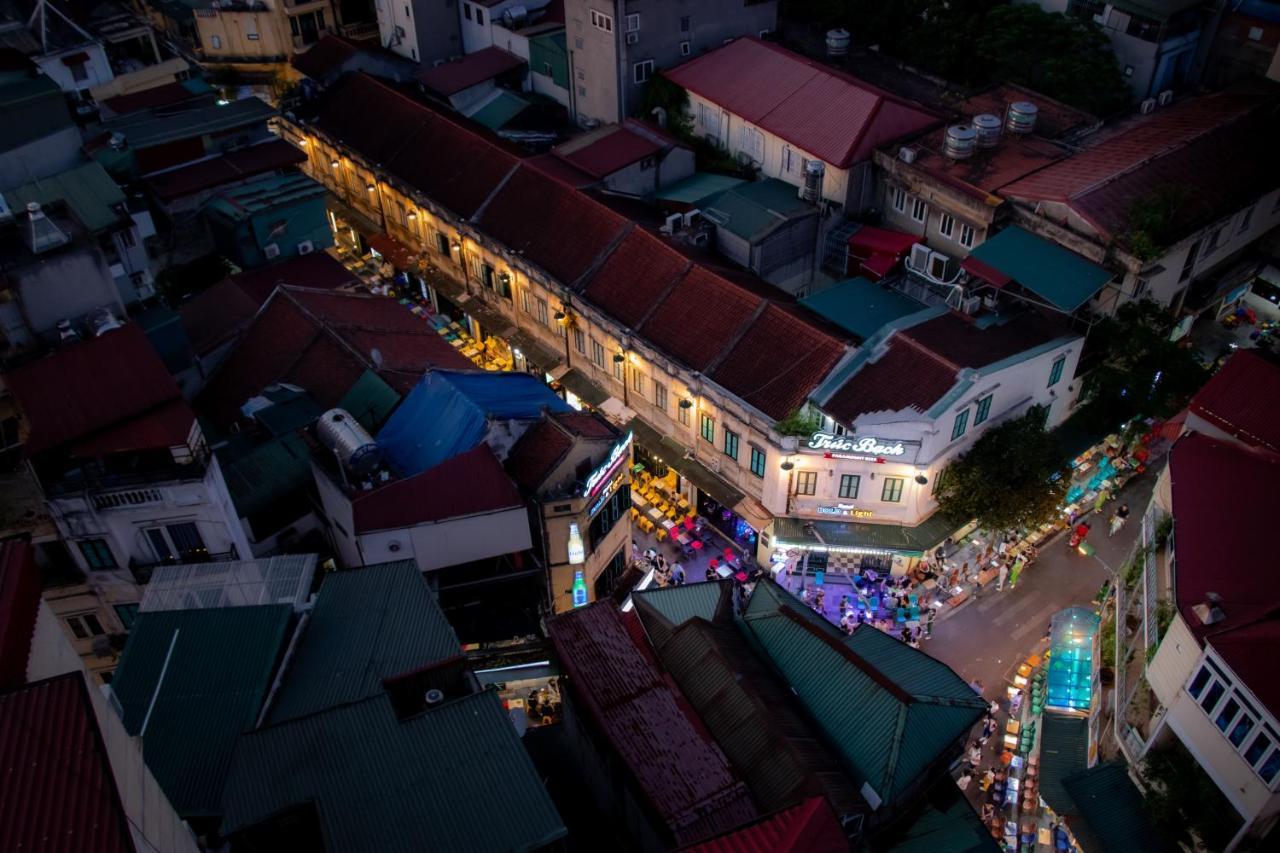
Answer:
(393, 251)
(878, 250)
(985, 271)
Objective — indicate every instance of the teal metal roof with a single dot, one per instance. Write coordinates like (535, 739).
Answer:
(370, 401)
(87, 190)
(453, 778)
(856, 534)
(367, 625)
(1059, 276)
(754, 210)
(1064, 750)
(679, 604)
(946, 824)
(500, 109)
(890, 717)
(222, 663)
(697, 188)
(260, 475)
(265, 194)
(167, 334)
(31, 108)
(860, 306)
(1111, 809)
(290, 414)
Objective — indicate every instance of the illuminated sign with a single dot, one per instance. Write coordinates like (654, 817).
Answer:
(577, 552)
(605, 495)
(866, 445)
(845, 509)
(617, 458)
(579, 589)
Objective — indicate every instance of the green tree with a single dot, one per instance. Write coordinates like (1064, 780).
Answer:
(1141, 371)
(1180, 796)
(1013, 477)
(1063, 57)
(1151, 221)
(661, 93)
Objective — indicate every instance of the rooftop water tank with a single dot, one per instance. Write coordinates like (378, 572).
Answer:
(350, 442)
(960, 142)
(987, 126)
(837, 42)
(812, 189)
(1021, 117)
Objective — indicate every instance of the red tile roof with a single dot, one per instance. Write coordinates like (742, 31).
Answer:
(471, 483)
(1218, 551)
(472, 69)
(218, 313)
(464, 167)
(633, 278)
(778, 361)
(156, 96)
(19, 607)
(879, 386)
(1150, 150)
(958, 339)
(607, 150)
(323, 341)
(676, 765)
(807, 827)
(701, 318)
(554, 226)
(586, 425)
(168, 425)
(57, 791)
(236, 166)
(324, 56)
(562, 171)
(831, 115)
(89, 387)
(1243, 399)
(536, 454)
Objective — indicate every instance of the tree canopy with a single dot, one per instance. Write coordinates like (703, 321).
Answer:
(1013, 477)
(1140, 371)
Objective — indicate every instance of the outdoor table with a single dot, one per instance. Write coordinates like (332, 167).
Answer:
(724, 571)
(639, 500)
(668, 525)
(654, 513)
(683, 538)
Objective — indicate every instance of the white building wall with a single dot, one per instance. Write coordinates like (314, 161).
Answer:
(97, 69)
(396, 30)
(451, 542)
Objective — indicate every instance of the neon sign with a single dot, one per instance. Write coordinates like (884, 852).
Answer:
(845, 509)
(867, 445)
(617, 457)
(577, 553)
(579, 589)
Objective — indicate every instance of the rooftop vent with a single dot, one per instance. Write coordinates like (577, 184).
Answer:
(1210, 613)
(41, 234)
(837, 43)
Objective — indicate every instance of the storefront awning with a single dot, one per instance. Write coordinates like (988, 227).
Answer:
(362, 222)
(491, 320)
(854, 534)
(673, 454)
(583, 388)
(535, 352)
(394, 252)
(753, 512)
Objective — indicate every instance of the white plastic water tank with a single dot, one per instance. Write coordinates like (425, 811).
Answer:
(987, 126)
(960, 142)
(837, 42)
(1021, 117)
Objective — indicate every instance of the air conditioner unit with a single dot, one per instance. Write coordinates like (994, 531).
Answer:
(1165, 98)
(990, 300)
(673, 223)
(938, 265)
(906, 154)
(271, 250)
(971, 305)
(919, 259)
(1147, 106)
(702, 239)
(633, 38)
(306, 247)
(692, 218)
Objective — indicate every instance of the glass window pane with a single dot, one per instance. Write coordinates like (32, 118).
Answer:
(1198, 683)
(1241, 730)
(1269, 768)
(1212, 695)
(1257, 749)
(1227, 715)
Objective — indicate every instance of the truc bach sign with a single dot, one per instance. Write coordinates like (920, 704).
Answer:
(868, 445)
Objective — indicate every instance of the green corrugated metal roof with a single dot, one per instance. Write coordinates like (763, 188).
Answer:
(31, 108)
(265, 194)
(367, 625)
(678, 604)
(261, 475)
(289, 415)
(697, 188)
(1061, 277)
(167, 334)
(860, 306)
(947, 824)
(218, 675)
(87, 190)
(453, 778)
(500, 109)
(1112, 810)
(856, 534)
(370, 400)
(887, 732)
(753, 210)
(1064, 750)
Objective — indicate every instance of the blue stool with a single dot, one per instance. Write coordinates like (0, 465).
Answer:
(901, 616)
(914, 613)
(875, 603)
(913, 599)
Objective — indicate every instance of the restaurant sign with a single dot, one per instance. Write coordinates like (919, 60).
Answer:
(866, 445)
(845, 509)
(599, 477)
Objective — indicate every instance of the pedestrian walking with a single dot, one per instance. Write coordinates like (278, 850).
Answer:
(820, 601)
(975, 755)
(677, 574)
(929, 616)
(1004, 573)
(1118, 518)
(1101, 500)
(1018, 565)
(963, 782)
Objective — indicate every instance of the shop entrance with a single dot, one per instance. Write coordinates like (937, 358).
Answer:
(728, 522)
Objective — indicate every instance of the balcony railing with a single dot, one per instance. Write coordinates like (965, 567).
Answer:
(142, 571)
(82, 481)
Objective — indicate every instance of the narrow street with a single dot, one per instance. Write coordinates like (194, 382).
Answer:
(986, 637)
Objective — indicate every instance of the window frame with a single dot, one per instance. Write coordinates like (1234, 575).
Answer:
(983, 409)
(597, 353)
(850, 485)
(807, 483)
(891, 489)
(919, 209)
(1055, 372)
(642, 71)
(730, 444)
(659, 395)
(707, 428)
(961, 424)
(899, 199)
(633, 22)
(78, 620)
(759, 458)
(967, 235)
(637, 380)
(580, 341)
(946, 225)
(100, 546)
(683, 416)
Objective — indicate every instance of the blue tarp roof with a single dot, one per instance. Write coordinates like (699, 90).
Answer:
(448, 413)
(860, 306)
(1058, 275)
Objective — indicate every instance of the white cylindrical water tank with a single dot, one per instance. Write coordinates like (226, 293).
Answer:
(837, 42)
(960, 142)
(987, 126)
(1021, 117)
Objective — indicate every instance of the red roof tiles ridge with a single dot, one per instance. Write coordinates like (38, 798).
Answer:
(497, 188)
(906, 338)
(733, 341)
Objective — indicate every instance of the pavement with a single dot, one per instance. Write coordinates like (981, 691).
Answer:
(987, 637)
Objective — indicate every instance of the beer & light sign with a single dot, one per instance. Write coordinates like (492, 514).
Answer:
(846, 510)
(867, 447)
